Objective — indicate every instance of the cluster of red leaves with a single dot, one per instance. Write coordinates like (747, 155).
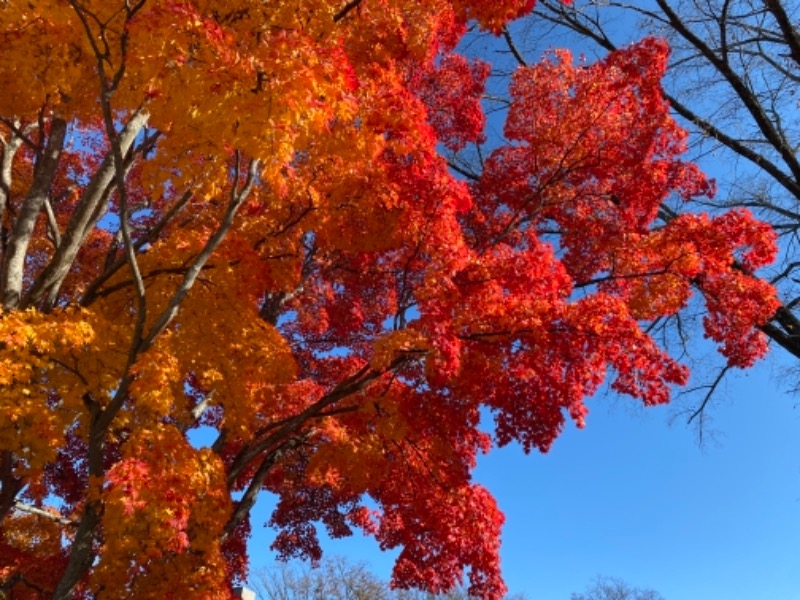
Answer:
(452, 95)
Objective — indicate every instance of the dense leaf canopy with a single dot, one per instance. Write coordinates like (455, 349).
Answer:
(236, 215)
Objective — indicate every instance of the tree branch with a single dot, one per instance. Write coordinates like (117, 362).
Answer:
(790, 33)
(745, 95)
(33, 510)
(345, 10)
(511, 46)
(44, 291)
(92, 291)
(237, 199)
(245, 504)
(44, 173)
(291, 426)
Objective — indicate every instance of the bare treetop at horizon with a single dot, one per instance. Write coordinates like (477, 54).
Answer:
(237, 216)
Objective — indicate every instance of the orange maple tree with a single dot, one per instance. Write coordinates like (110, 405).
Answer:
(235, 215)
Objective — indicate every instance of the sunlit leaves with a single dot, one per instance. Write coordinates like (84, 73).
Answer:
(165, 508)
(279, 258)
(37, 349)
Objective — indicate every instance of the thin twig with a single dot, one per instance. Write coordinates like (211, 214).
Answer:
(711, 389)
(513, 47)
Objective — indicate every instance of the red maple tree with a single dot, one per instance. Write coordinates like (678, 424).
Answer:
(235, 215)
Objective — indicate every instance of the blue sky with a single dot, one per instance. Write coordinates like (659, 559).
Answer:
(632, 497)
(635, 497)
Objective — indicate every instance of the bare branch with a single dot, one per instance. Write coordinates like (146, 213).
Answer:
(739, 87)
(709, 394)
(511, 46)
(790, 34)
(33, 510)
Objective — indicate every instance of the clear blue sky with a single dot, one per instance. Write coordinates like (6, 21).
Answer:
(634, 497)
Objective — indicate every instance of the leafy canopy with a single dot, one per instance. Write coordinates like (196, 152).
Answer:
(235, 215)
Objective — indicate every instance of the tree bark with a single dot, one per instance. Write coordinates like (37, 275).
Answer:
(43, 176)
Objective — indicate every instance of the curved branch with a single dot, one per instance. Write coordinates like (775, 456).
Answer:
(355, 383)
(790, 33)
(745, 95)
(513, 48)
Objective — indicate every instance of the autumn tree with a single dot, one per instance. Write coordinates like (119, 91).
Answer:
(612, 588)
(732, 81)
(336, 578)
(236, 217)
